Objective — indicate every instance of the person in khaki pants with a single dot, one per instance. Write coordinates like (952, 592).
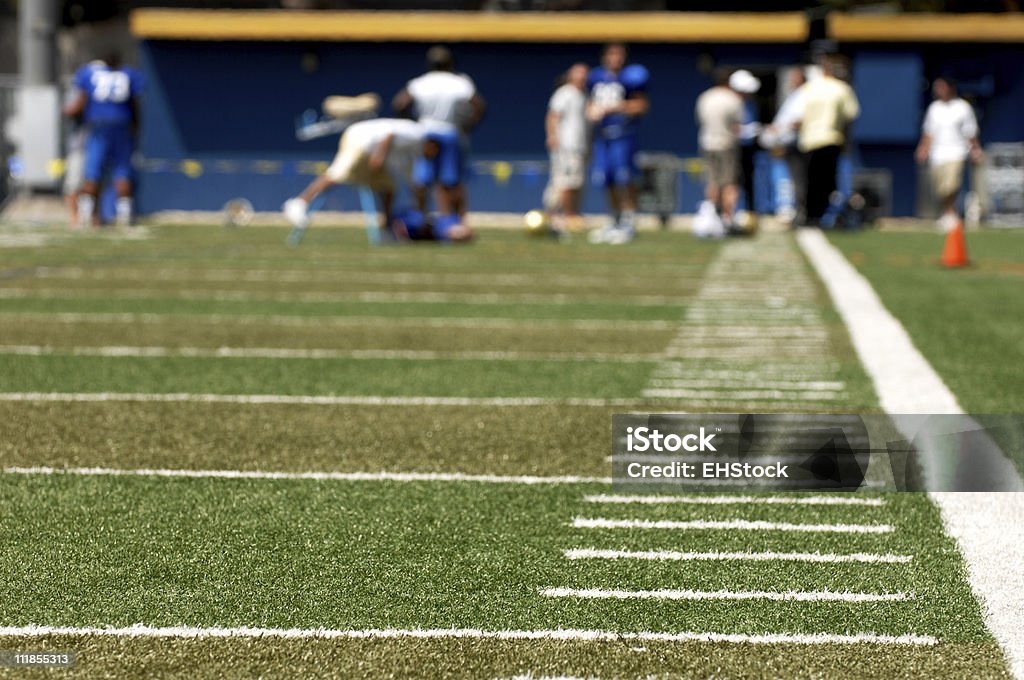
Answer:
(949, 136)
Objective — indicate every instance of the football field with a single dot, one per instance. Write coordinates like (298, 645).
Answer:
(226, 458)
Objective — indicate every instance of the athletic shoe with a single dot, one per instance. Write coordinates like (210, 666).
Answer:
(296, 211)
(620, 236)
(947, 222)
(601, 235)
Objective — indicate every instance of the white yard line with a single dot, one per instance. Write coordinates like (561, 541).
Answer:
(316, 476)
(288, 353)
(312, 400)
(728, 525)
(987, 527)
(371, 296)
(707, 499)
(364, 400)
(743, 395)
(774, 596)
(336, 275)
(679, 556)
(723, 383)
(502, 323)
(143, 631)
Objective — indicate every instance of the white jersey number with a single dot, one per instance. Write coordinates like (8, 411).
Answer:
(608, 94)
(111, 86)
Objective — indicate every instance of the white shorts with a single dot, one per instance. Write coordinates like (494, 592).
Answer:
(74, 170)
(567, 169)
(351, 165)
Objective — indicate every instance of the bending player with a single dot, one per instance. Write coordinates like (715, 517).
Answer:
(618, 98)
(378, 154)
(106, 104)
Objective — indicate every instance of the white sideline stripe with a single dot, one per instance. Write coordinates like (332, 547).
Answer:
(741, 524)
(566, 634)
(288, 353)
(669, 594)
(359, 321)
(903, 378)
(319, 476)
(355, 296)
(312, 400)
(677, 556)
(705, 499)
(987, 527)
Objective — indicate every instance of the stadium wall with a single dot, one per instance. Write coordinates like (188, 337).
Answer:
(219, 112)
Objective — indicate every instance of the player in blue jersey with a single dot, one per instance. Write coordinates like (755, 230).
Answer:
(618, 98)
(107, 104)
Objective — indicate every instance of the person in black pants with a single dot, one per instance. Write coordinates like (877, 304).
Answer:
(830, 106)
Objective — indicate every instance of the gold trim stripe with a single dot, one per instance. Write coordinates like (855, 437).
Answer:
(532, 27)
(936, 28)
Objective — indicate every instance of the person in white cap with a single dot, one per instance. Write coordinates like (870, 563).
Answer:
(747, 85)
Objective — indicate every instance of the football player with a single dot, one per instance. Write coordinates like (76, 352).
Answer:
(106, 102)
(446, 102)
(378, 154)
(618, 98)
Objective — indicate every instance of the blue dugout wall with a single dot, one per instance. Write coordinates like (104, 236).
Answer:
(218, 117)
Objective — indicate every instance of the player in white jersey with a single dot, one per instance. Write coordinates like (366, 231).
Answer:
(949, 136)
(447, 102)
(568, 138)
(378, 154)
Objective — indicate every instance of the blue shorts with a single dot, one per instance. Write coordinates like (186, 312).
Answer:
(447, 168)
(109, 147)
(613, 162)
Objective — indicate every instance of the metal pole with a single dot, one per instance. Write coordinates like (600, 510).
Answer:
(38, 121)
(37, 41)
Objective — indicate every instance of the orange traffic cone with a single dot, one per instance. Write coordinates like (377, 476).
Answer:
(955, 252)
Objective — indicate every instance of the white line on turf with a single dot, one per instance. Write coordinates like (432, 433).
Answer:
(385, 297)
(355, 400)
(987, 527)
(288, 353)
(354, 321)
(313, 400)
(316, 476)
(679, 556)
(734, 500)
(743, 394)
(775, 596)
(904, 380)
(728, 525)
(723, 384)
(311, 276)
(562, 634)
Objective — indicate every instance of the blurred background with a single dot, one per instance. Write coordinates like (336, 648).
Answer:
(227, 81)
